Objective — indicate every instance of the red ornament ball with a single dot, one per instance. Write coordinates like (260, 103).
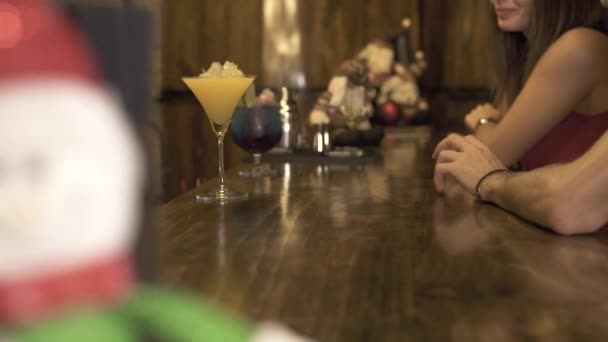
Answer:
(389, 113)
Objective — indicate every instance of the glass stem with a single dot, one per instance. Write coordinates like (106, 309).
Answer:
(257, 159)
(220, 147)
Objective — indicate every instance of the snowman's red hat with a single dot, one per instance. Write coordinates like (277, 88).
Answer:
(38, 41)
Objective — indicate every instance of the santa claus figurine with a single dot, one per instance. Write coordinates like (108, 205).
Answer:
(70, 182)
(372, 87)
(398, 98)
(347, 106)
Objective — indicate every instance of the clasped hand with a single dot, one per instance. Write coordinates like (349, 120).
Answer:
(464, 158)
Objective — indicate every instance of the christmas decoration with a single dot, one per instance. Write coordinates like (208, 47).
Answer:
(380, 83)
(71, 182)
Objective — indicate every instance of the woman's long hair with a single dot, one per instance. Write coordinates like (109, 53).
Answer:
(517, 55)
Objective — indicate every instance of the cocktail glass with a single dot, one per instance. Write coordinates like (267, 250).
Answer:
(257, 129)
(219, 97)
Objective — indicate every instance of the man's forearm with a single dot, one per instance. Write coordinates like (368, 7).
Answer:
(529, 194)
(569, 199)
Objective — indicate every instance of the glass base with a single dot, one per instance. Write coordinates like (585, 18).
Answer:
(221, 195)
(259, 170)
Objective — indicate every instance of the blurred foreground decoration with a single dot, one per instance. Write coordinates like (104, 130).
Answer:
(379, 85)
(71, 176)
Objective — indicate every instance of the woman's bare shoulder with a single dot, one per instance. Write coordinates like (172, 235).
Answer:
(585, 43)
(581, 50)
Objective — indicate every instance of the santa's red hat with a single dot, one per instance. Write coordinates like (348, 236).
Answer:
(38, 41)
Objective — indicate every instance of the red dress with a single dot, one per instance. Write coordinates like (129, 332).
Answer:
(570, 139)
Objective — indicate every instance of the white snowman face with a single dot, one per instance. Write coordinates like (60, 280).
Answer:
(69, 177)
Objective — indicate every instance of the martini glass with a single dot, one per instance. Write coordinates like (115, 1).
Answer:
(219, 96)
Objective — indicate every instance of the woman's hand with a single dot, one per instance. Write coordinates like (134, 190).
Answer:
(485, 110)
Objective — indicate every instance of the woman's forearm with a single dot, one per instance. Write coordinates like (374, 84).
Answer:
(485, 133)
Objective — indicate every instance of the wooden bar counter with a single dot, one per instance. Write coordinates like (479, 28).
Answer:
(369, 252)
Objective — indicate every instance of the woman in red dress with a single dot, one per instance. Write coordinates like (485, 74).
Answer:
(551, 86)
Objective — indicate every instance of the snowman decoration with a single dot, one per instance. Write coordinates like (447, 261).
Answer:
(70, 180)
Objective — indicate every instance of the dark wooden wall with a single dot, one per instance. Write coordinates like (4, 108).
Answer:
(197, 32)
(454, 36)
(335, 30)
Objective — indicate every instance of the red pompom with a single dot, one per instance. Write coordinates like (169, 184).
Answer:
(36, 40)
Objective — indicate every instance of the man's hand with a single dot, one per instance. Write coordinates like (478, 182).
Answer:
(486, 110)
(464, 158)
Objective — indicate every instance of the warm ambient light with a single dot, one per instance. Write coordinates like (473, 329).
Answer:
(282, 47)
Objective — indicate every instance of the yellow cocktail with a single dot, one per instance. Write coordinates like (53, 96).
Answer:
(219, 95)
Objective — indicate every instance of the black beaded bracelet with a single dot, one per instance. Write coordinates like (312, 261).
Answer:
(477, 194)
